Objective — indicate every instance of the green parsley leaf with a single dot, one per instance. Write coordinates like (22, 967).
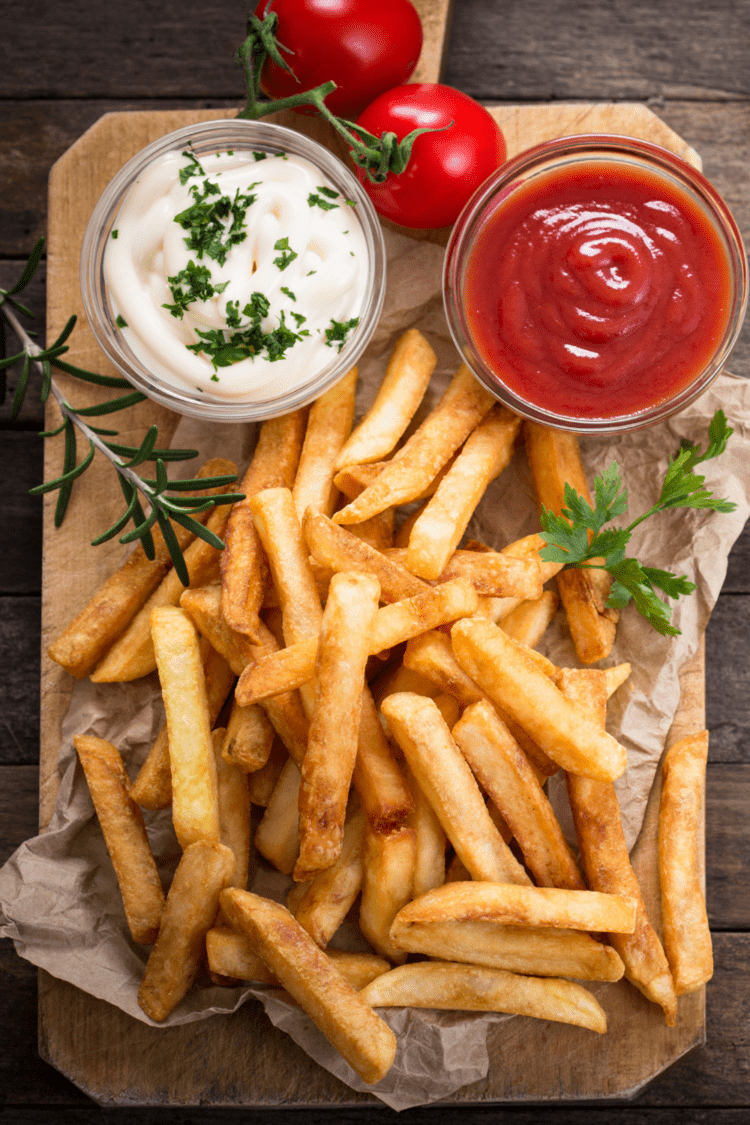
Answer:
(287, 256)
(115, 233)
(224, 349)
(194, 168)
(288, 292)
(339, 330)
(260, 155)
(578, 536)
(121, 322)
(191, 284)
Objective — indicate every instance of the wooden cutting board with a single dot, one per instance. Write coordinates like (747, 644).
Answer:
(242, 1060)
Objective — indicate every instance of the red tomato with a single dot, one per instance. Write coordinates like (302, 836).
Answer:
(364, 46)
(446, 167)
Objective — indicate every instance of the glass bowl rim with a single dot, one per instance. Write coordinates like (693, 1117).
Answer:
(604, 146)
(102, 220)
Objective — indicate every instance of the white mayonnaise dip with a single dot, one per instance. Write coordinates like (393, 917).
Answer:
(148, 265)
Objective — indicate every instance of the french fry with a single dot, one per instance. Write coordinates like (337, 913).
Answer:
(195, 807)
(406, 379)
(440, 984)
(230, 954)
(243, 563)
(364, 1040)
(248, 738)
(449, 786)
(152, 788)
(504, 773)
(491, 573)
(132, 655)
(516, 905)
(339, 549)
(528, 622)
(391, 625)
(261, 783)
(429, 863)
(461, 408)
(234, 812)
(329, 895)
(189, 913)
(104, 618)
(437, 532)
(124, 834)
(203, 606)
(328, 426)
(555, 460)
(388, 878)
(277, 836)
(538, 951)
(604, 854)
(431, 655)
(334, 727)
(279, 529)
(615, 677)
(687, 938)
(377, 778)
(564, 731)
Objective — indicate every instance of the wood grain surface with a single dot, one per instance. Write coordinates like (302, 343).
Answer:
(62, 68)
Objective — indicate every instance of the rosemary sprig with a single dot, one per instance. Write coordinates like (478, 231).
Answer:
(159, 493)
(578, 535)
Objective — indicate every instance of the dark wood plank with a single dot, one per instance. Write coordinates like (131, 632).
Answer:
(567, 49)
(727, 697)
(727, 869)
(21, 467)
(19, 685)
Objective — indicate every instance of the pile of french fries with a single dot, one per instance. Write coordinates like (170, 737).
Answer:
(375, 687)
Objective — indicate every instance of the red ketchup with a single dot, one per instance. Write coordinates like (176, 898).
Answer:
(596, 292)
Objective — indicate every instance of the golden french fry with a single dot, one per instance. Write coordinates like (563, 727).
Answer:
(604, 854)
(132, 655)
(431, 655)
(277, 836)
(261, 783)
(243, 563)
(230, 954)
(615, 677)
(439, 529)
(81, 646)
(195, 807)
(152, 788)
(687, 938)
(189, 913)
(339, 549)
(461, 408)
(491, 573)
(364, 1040)
(328, 896)
(504, 773)
(429, 864)
(203, 606)
(538, 951)
(377, 779)
(448, 784)
(387, 883)
(234, 812)
(391, 625)
(334, 727)
(249, 737)
(440, 984)
(328, 426)
(516, 905)
(504, 670)
(406, 379)
(528, 622)
(555, 459)
(124, 834)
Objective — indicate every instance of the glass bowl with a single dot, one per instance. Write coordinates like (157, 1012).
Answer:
(211, 137)
(539, 374)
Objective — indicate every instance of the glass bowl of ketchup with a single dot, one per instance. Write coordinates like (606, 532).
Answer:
(595, 283)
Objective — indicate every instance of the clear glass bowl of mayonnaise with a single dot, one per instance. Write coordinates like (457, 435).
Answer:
(233, 270)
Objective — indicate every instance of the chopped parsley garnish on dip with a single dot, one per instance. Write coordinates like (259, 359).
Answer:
(229, 277)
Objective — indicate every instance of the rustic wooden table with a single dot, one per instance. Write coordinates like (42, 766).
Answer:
(62, 68)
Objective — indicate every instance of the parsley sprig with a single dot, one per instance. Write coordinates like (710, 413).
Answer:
(578, 537)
